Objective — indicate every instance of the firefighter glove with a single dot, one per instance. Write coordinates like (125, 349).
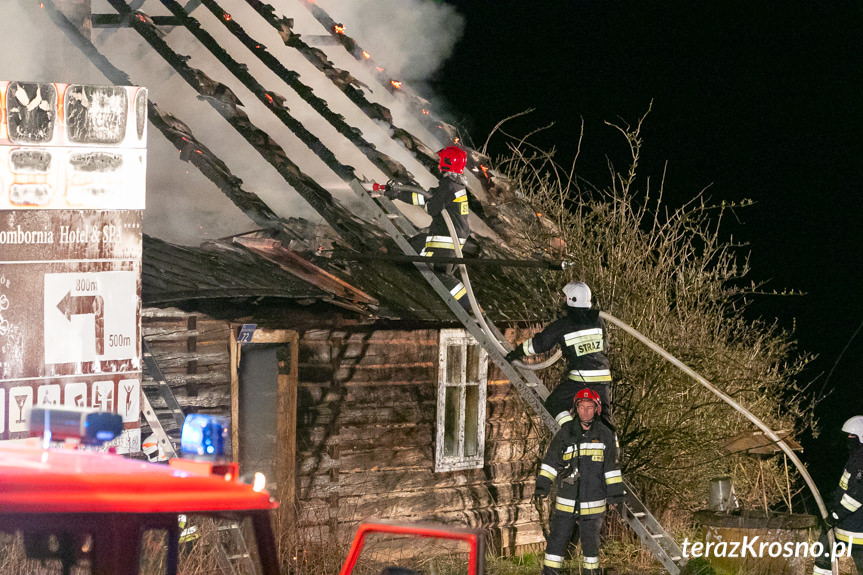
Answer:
(831, 520)
(515, 354)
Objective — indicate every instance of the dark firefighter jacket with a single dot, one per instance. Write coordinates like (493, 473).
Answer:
(450, 195)
(849, 498)
(581, 337)
(589, 455)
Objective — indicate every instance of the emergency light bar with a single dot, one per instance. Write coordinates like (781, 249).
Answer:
(203, 436)
(88, 426)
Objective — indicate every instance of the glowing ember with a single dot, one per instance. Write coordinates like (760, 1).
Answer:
(379, 68)
(425, 112)
(269, 98)
(227, 17)
(396, 84)
(340, 29)
(366, 55)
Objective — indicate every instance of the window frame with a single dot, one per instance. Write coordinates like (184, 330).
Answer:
(443, 462)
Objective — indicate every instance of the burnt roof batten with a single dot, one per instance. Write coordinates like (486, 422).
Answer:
(374, 111)
(174, 130)
(242, 74)
(224, 101)
(389, 166)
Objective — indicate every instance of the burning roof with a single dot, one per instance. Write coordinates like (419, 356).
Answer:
(280, 128)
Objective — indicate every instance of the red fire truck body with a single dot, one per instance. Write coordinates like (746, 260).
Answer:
(97, 506)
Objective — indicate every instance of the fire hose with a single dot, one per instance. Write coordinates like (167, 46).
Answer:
(745, 412)
(674, 361)
(680, 365)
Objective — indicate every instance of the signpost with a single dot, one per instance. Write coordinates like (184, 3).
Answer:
(72, 166)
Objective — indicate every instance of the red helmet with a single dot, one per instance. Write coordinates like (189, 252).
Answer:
(452, 159)
(590, 395)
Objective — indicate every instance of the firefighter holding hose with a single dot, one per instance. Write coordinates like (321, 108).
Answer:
(449, 196)
(846, 514)
(581, 337)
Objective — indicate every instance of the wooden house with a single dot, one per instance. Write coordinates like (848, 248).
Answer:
(356, 402)
(345, 378)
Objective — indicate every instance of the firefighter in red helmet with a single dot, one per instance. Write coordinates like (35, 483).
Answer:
(449, 196)
(583, 459)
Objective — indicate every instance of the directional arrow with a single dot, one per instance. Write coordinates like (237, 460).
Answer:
(86, 305)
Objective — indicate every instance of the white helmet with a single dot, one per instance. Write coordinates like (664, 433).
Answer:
(854, 426)
(577, 294)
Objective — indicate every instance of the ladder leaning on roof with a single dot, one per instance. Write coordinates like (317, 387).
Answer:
(388, 217)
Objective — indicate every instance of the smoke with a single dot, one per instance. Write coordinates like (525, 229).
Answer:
(410, 39)
(36, 52)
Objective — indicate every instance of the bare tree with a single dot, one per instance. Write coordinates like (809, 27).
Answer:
(671, 273)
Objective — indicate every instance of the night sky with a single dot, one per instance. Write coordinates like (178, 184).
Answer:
(758, 100)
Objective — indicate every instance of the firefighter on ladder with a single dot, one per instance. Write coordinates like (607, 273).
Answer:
(846, 515)
(581, 336)
(449, 196)
(583, 459)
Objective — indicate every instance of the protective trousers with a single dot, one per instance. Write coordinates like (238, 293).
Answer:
(559, 401)
(822, 562)
(563, 530)
(444, 272)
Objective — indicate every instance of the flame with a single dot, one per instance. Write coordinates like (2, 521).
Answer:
(227, 17)
(455, 141)
(425, 112)
(484, 169)
(340, 29)
(269, 98)
(396, 84)
(379, 68)
(366, 55)
(539, 214)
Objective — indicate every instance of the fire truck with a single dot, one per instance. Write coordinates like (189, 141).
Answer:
(71, 510)
(77, 510)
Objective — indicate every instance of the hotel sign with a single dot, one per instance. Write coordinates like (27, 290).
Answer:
(72, 168)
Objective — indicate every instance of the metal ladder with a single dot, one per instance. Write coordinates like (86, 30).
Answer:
(233, 556)
(159, 393)
(388, 217)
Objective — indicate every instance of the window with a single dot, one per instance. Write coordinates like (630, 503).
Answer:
(462, 378)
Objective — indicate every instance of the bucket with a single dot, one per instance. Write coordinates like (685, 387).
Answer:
(721, 498)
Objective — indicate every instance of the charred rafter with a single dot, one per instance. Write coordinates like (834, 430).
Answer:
(242, 74)
(178, 133)
(421, 106)
(223, 100)
(343, 81)
(389, 166)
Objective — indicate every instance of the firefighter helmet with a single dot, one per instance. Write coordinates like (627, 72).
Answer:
(577, 294)
(854, 426)
(589, 395)
(452, 159)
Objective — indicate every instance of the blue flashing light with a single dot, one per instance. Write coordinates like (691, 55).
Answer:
(204, 436)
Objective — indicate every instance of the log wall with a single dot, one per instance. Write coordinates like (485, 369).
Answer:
(366, 428)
